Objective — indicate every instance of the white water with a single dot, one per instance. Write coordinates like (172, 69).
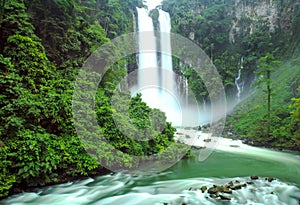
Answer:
(100, 191)
(197, 139)
(165, 29)
(157, 84)
(182, 183)
(237, 81)
(147, 41)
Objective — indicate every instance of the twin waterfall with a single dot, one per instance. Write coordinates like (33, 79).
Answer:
(156, 80)
(160, 87)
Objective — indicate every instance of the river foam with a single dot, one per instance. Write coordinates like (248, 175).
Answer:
(181, 184)
(122, 189)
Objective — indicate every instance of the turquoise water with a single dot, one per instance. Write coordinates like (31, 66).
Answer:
(181, 183)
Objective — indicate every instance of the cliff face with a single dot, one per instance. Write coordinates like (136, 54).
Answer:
(248, 15)
(274, 14)
(231, 30)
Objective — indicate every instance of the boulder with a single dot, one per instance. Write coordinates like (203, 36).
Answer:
(236, 187)
(197, 147)
(207, 140)
(214, 196)
(223, 197)
(227, 191)
(254, 177)
(216, 189)
(270, 179)
(212, 190)
(230, 184)
(203, 188)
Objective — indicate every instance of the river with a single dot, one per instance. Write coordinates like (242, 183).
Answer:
(230, 161)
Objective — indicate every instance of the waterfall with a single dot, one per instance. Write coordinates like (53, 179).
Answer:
(186, 90)
(239, 85)
(165, 29)
(157, 85)
(156, 81)
(146, 40)
(148, 75)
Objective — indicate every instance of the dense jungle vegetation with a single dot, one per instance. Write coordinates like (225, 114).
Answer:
(43, 46)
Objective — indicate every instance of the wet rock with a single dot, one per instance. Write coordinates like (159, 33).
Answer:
(230, 134)
(197, 147)
(203, 188)
(214, 196)
(216, 189)
(227, 191)
(223, 197)
(237, 181)
(250, 182)
(270, 179)
(236, 187)
(254, 177)
(230, 184)
(212, 190)
(207, 140)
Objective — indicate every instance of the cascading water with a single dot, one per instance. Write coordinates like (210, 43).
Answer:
(146, 40)
(165, 29)
(238, 84)
(157, 82)
(157, 85)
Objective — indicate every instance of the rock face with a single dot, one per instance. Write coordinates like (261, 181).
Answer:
(253, 13)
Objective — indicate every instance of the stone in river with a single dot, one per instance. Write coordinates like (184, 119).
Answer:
(223, 197)
(236, 187)
(254, 177)
(270, 179)
(203, 188)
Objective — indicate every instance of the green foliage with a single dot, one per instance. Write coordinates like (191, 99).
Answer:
(41, 51)
(296, 119)
(250, 119)
(266, 65)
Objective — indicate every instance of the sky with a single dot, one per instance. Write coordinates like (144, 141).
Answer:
(153, 3)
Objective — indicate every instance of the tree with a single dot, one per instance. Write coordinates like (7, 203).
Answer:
(266, 65)
(296, 118)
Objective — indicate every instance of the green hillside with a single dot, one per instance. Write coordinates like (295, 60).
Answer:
(248, 120)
